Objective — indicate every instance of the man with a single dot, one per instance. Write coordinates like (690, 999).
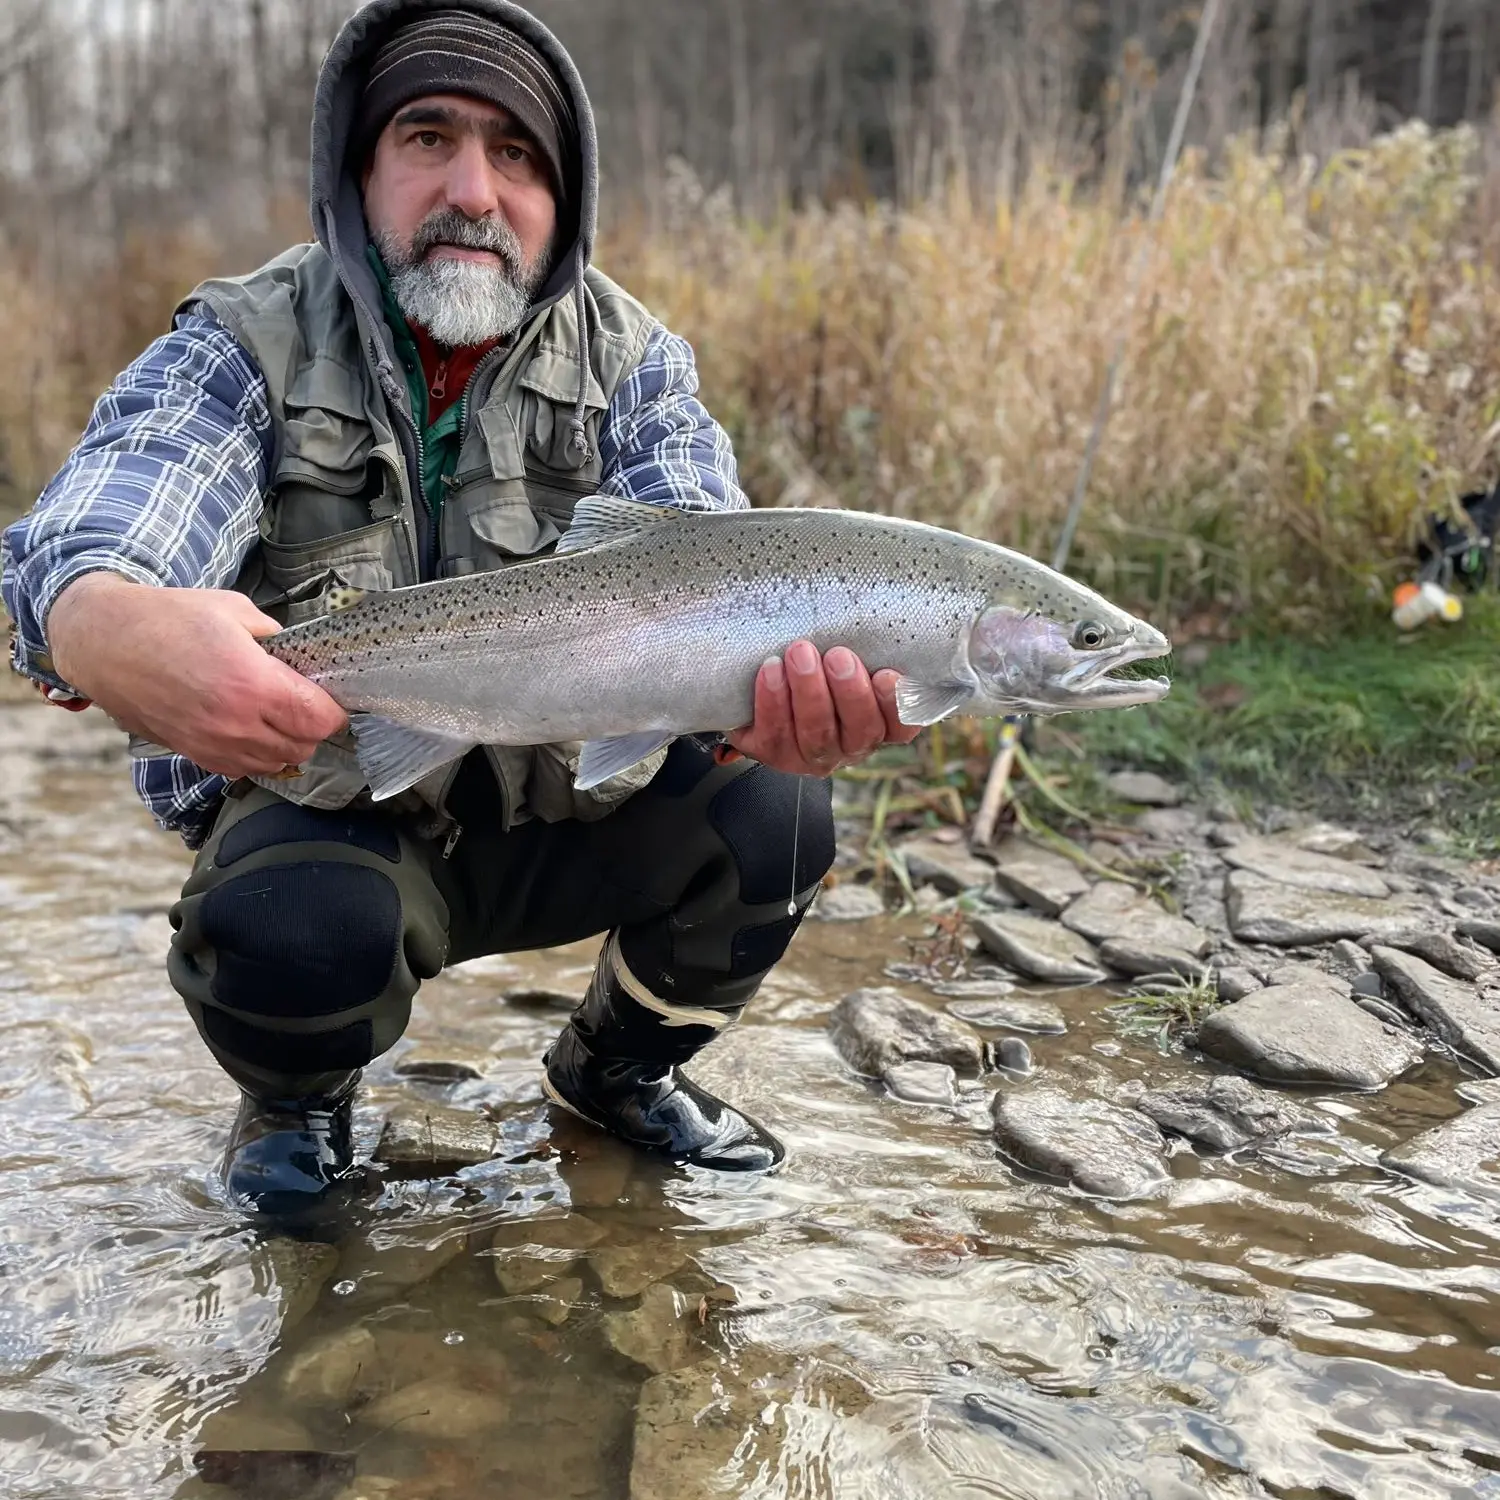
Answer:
(425, 392)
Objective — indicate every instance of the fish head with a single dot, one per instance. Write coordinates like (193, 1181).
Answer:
(1053, 646)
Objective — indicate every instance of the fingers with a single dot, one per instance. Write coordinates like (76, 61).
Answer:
(768, 737)
(299, 708)
(896, 733)
(861, 724)
(813, 713)
(254, 620)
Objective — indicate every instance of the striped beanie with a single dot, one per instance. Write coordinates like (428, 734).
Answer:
(459, 52)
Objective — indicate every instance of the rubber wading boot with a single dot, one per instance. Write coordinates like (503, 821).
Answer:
(615, 1065)
(289, 1157)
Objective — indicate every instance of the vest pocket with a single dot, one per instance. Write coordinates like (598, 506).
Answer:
(296, 575)
(504, 531)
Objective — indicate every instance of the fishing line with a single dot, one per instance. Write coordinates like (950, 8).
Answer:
(791, 906)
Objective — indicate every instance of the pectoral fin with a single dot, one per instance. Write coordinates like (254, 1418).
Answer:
(394, 757)
(601, 759)
(927, 702)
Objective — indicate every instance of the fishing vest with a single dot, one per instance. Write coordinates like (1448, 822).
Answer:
(339, 507)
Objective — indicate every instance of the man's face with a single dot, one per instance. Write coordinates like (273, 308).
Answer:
(460, 203)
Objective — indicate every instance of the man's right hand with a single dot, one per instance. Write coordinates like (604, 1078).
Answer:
(183, 667)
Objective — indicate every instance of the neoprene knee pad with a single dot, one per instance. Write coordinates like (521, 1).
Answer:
(759, 818)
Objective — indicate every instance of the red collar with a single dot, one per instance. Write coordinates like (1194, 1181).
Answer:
(446, 371)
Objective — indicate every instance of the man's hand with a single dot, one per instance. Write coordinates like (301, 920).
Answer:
(814, 715)
(182, 667)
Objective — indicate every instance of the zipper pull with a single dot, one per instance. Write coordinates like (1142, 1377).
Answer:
(439, 387)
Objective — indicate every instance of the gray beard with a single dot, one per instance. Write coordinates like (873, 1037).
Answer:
(462, 302)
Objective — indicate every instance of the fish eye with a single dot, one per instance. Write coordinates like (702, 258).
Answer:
(1089, 637)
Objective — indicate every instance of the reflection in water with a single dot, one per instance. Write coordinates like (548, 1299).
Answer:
(896, 1313)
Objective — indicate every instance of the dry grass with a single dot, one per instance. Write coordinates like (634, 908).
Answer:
(1313, 363)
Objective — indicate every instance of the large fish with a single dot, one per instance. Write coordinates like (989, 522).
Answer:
(651, 622)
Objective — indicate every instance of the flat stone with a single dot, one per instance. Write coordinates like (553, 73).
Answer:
(1227, 1113)
(435, 1140)
(657, 1334)
(331, 1370)
(877, 1029)
(1134, 959)
(1285, 974)
(385, 1271)
(1038, 1016)
(627, 1270)
(440, 1408)
(1443, 951)
(1267, 911)
(1044, 950)
(972, 989)
(555, 1305)
(1144, 788)
(1461, 1153)
(1382, 1010)
(1303, 870)
(949, 867)
(922, 1082)
(1328, 838)
(529, 1253)
(1115, 910)
(1483, 932)
(1236, 984)
(437, 1067)
(1167, 825)
(1039, 877)
(299, 1269)
(1466, 1016)
(847, 903)
(1307, 1033)
(1012, 1054)
(1348, 960)
(1099, 1148)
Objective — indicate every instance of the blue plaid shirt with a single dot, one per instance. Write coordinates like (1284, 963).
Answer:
(165, 487)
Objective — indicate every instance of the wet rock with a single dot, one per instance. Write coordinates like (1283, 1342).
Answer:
(1266, 911)
(1227, 1113)
(440, 1408)
(1348, 960)
(431, 1139)
(1099, 1148)
(1135, 959)
(299, 1268)
(1115, 910)
(922, 1082)
(1288, 865)
(381, 1272)
(330, 1370)
(1044, 950)
(1144, 788)
(1012, 1054)
(847, 903)
(657, 1334)
(1307, 1033)
(528, 1253)
(1039, 877)
(1462, 1153)
(1479, 1090)
(1483, 932)
(627, 1270)
(879, 1029)
(982, 990)
(530, 998)
(556, 1304)
(1236, 984)
(1464, 1015)
(1384, 1012)
(1038, 1016)
(949, 867)
(426, 1066)
(249, 1425)
(1440, 949)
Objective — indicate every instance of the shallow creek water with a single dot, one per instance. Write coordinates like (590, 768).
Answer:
(896, 1313)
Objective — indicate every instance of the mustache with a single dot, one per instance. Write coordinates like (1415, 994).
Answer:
(449, 227)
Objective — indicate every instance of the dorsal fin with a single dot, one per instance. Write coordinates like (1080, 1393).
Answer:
(607, 518)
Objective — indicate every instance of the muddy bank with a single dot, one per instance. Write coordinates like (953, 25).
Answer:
(1299, 1299)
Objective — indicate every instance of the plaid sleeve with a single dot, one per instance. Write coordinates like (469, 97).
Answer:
(658, 443)
(164, 487)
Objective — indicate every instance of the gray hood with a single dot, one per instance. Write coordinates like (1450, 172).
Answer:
(338, 216)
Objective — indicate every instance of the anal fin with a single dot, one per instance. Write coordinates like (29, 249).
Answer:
(601, 759)
(394, 756)
(927, 702)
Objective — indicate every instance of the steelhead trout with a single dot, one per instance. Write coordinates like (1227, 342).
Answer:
(650, 622)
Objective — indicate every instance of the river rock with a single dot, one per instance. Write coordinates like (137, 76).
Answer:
(1328, 838)
(1382, 1010)
(1307, 1033)
(1348, 960)
(627, 1270)
(1227, 1113)
(922, 1082)
(1115, 910)
(1285, 974)
(528, 1253)
(1461, 1153)
(1136, 959)
(1144, 788)
(424, 1065)
(556, 1303)
(847, 903)
(1287, 865)
(441, 1408)
(657, 1334)
(878, 1029)
(299, 1269)
(528, 997)
(431, 1139)
(1267, 911)
(1099, 1148)
(1465, 1016)
(1482, 931)
(949, 867)
(1039, 877)
(970, 989)
(382, 1272)
(1440, 949)
(1038, 1016)
(332, 1369)
(1235, 984)
(1044, 950)
(1012, 1054)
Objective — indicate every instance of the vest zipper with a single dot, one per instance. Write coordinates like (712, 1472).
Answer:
(393, 400)
(485, 364)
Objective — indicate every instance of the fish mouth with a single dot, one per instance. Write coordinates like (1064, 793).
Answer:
(1102, 679)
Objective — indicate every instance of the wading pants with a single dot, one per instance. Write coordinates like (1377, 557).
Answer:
(302, 936)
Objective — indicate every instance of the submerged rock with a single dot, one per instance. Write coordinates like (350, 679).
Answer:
(1144, 788)
(1286, 864)
(1307, 1033)
(922, 1082)
(1039, 877)
(1227, 1113)
(1113, 910)
(657, 1334)
(1464, 1015)
(381, 1272)
(1044, 950)
(1038, 1016)
(331, 1370)
(627, 1270)
(1266, 911)
(299, 1268)
(847, 903)
(879, 1029)
(429, 1138)
(949, 867)
(529, 1253)
(1099, 1148)
(440, 1408)
(1462, 1153)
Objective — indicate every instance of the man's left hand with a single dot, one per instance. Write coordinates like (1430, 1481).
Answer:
(814, 714)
